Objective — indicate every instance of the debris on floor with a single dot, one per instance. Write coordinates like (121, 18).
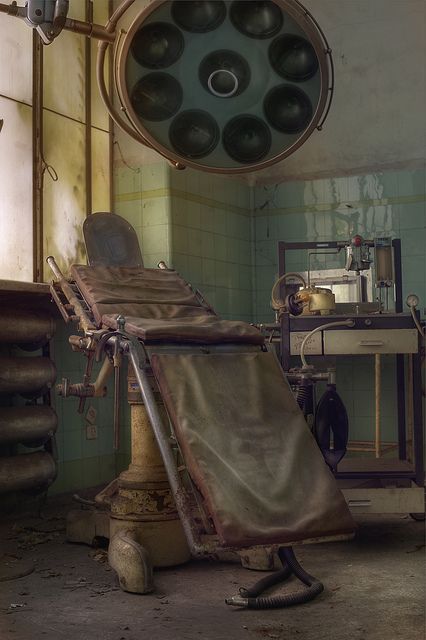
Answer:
(13, 567)
(99, 555)
(71, 593)
(30, 536)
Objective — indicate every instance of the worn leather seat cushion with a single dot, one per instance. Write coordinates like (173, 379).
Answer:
(248, 448)
(157, 304)
(153, 293)
(204, 329)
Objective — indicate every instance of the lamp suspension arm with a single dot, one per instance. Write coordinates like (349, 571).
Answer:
(13, 10)
(91, 30)
(106, 34)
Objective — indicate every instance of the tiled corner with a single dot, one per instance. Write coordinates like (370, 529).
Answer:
(211, 239)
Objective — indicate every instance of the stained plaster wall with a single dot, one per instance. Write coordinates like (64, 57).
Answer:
(82, 462)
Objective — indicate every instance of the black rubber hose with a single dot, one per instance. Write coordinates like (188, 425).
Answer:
(287, 557)
(248, 599)
(264, 583)
(288, 600)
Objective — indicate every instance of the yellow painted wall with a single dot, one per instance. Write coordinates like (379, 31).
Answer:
(16, 247)
(64, 145)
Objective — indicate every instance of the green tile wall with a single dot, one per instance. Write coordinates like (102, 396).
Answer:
(211, 239)
(143, 198)
(81, 462)
(199, 223)
(391, 204)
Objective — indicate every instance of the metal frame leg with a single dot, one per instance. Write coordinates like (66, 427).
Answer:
(182, 501)
(418, 419)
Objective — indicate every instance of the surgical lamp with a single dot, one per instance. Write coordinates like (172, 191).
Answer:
(223, 86)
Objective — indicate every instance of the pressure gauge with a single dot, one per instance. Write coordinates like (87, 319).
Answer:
(412, 300)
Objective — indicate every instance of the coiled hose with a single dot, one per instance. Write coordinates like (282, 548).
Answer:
(276, 303)
(302, 395)
(249, 599)
(305, 397)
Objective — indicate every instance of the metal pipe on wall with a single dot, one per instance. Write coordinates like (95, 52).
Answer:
(88, 110)
(26, 375)
(26, 327)
(27, 424)
(26, 471)
(410, 442)
(38, 162)
(378, 395)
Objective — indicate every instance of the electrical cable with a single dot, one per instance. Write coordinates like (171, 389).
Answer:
(420, 329)
(322, 327)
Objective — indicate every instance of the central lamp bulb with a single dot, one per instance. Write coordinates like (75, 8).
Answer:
(223, 83)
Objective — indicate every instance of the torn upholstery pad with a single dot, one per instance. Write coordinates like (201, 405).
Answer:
(248, 449)
(158, 305)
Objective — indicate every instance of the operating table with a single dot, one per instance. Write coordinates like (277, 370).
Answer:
(243, 467)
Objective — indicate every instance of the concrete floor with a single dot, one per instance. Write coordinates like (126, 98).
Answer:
(374, 590)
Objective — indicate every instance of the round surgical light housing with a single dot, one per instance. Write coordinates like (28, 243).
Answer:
(227, 86)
